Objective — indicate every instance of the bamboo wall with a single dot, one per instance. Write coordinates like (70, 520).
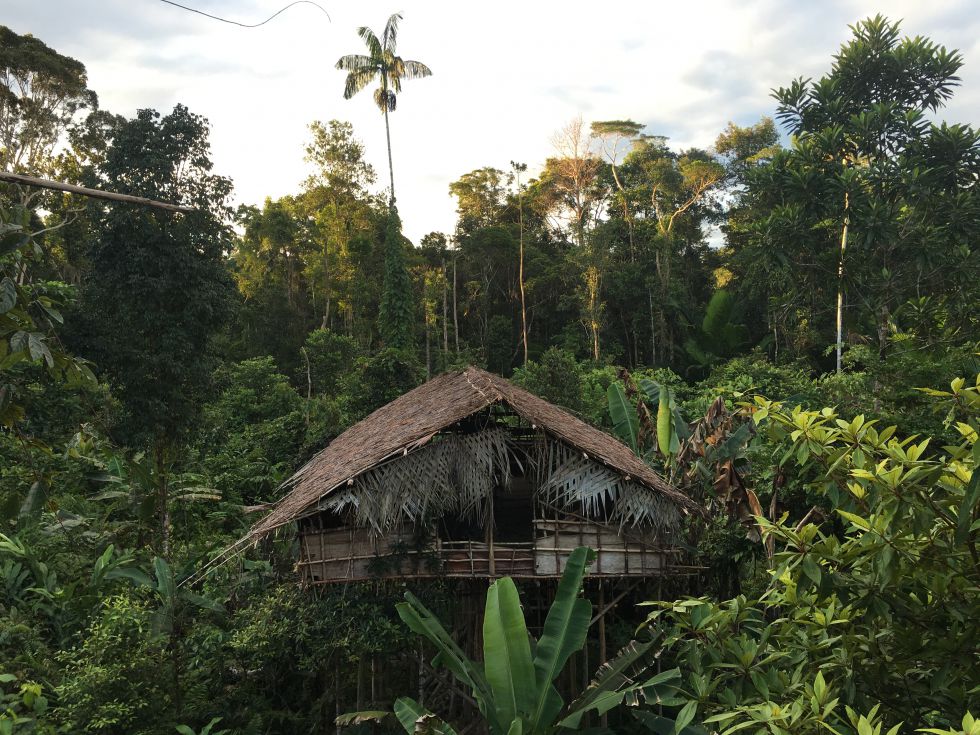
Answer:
(355, 554)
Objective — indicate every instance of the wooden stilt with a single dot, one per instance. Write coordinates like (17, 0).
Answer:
(374, 680)
(604, 720)
(360, 684)
(336, 699)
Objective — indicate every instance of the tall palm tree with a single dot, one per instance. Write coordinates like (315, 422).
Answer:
(381, 62)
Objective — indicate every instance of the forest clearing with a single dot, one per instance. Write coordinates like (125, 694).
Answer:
(658, 438)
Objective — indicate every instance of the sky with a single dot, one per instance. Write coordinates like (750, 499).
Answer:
(506, 74)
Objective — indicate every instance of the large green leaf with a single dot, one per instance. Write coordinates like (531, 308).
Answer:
(134, 575)
(971, 497)
(565, 631)
(664, 725)
(671, 427)
(421, 620)
(612, 682)
(34, 500)
(8, 295)
(201, 601)
(507, 653)
(623, 414)
(664, 432)
(417, 720)
(166, 586)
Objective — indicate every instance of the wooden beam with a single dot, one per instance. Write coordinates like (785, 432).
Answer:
(602, 612)
(85, 191)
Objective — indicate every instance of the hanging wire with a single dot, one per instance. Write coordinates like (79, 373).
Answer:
(249, 25)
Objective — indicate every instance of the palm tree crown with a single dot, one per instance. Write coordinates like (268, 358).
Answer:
(382, 63)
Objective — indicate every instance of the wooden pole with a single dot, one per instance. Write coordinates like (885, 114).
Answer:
(95, 193)
(604, 720)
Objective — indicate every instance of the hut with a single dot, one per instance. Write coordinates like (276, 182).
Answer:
(469, 476)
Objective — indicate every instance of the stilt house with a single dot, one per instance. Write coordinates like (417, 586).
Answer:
(469, 476)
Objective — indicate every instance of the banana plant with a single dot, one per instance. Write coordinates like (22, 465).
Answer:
(515, 689)
(671, 427)
(666, 432)
(172, 599)
(626, 422)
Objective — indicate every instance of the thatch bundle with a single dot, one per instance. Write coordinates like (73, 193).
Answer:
(454, 474)
(571, 480)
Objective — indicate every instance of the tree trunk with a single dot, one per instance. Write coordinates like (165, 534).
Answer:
(883, 315)
(520, 276)
(428, 348)
(626, 212)
(309, 385)
(840, 281)
(163, 500)
(653, 329)
(455, 314)
(391, 168)
(325, 324)
(445, 315)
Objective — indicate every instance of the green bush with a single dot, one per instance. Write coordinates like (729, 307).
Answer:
(872, 604)
(253, 431)
(116, 679)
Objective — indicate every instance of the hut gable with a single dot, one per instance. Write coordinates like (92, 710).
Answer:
(411, 421)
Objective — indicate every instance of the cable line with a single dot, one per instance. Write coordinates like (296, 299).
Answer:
(250, 25)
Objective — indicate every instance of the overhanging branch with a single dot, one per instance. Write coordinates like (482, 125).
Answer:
(85, 191)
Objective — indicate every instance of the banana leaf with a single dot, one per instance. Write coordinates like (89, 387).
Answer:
(421, 620)
(507, 653)
(614, 680)
(417, 720)
(623, 414)
(564, 633)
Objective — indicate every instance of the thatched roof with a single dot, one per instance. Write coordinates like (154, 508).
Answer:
(410, 421)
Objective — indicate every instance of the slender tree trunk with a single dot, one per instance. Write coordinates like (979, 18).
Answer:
(163, 500)
(629, 230)
(653, 328)
(309, 385)
(445, 315)
(455, 314)
(883, 315)
(485, 319)
(325, 324)
(626, 212)
(593, 284)
(840, 281)
(391, 168)
(520, 275)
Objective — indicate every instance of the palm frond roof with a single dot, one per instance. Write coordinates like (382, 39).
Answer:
(412, 420)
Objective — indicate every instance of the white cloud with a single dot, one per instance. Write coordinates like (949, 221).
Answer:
(506, 75)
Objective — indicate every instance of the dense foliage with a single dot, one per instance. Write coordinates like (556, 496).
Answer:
(772, 323)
